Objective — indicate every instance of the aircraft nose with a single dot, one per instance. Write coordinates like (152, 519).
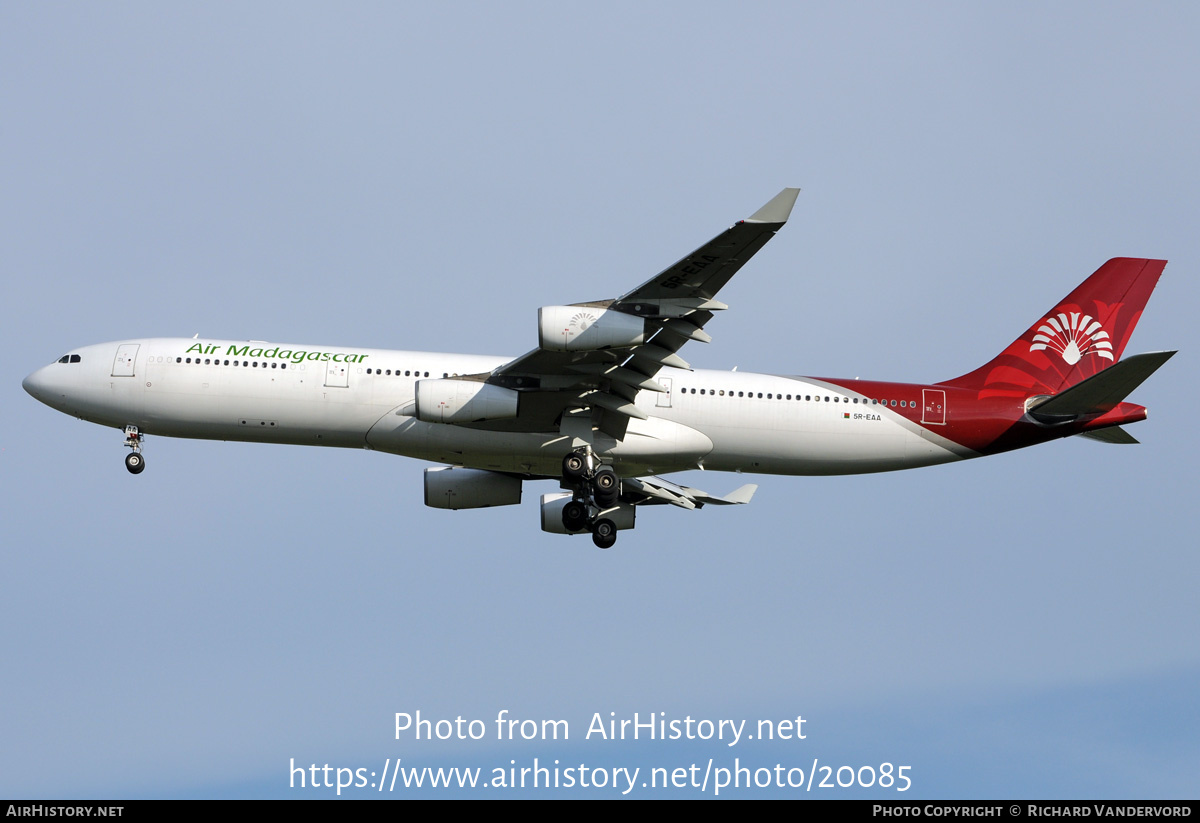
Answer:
(38, 384)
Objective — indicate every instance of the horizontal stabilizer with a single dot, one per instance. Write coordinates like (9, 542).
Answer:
(1101, 392)
(1112, 434)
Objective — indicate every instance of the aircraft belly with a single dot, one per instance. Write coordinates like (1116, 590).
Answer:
(658, 445)
(651, 446)
(219, 404)
(923, 451)
(304, 422)
(832, 447)
(519, 452)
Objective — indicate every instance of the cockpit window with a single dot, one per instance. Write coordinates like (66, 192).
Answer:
(69, 358)
(75, 358)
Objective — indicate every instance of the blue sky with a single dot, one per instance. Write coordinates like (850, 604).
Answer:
(426, 176)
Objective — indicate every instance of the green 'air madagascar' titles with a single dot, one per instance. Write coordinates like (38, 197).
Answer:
(277, 353)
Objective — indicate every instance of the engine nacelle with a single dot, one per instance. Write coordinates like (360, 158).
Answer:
(454, 488)
(552, 505)
(463, 401)
(583, 328)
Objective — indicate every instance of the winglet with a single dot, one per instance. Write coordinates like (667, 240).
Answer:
(742, 494)
(778, 210)
(735, 497)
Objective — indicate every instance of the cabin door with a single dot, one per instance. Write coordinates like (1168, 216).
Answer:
(935, 407)
(664, 398)
(337, 375)
(123, 364)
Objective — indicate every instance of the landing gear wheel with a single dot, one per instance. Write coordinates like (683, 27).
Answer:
(135, 463)
(604, 533)
(575, 465)
(607, 486)
(574, 516)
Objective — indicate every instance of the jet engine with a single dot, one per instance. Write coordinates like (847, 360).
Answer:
(456, 488)
(622, 515)
(584, 328)
(463, 401)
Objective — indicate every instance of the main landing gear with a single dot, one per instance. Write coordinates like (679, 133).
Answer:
(594, 485)
(134, 460)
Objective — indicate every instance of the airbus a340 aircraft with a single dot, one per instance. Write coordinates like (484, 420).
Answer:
(605, 404)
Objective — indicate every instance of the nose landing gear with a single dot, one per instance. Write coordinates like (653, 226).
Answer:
(134, 460)
(593, 484)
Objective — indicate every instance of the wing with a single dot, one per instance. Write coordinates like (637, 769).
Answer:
(599, 355)
(650, 490)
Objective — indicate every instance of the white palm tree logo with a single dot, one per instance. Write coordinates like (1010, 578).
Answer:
(581, 321)
(1073, 337)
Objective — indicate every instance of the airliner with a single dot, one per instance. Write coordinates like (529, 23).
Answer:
(605, 404)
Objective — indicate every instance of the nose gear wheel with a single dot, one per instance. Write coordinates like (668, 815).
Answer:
(134, 461)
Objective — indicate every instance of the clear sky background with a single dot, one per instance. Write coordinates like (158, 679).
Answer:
(424, 176)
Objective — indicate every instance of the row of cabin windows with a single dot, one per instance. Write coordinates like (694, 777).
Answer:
(806, 397)
(208, 361)
(244, 363)
(407, 373)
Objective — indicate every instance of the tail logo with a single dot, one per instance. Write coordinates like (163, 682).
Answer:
(1072, 337)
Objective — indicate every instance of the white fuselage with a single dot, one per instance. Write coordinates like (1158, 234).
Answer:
(363, 398)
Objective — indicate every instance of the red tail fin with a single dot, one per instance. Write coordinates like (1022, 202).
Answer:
(1081, 336)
